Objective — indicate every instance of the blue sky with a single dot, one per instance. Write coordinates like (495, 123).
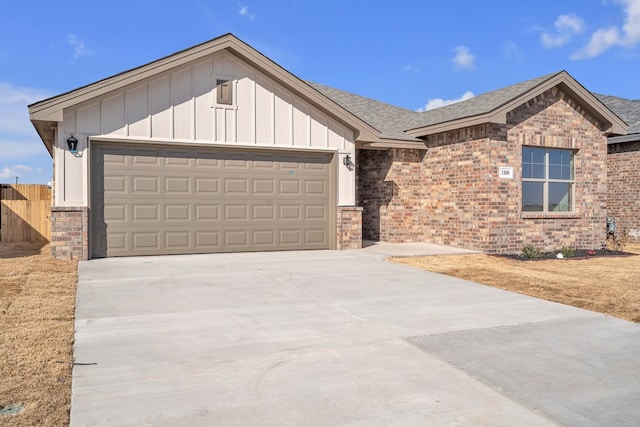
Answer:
(414, 54)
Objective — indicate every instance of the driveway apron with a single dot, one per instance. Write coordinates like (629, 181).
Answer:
(323, 338)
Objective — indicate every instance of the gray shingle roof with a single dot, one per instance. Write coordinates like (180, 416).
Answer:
(390, 120)
(627, 109)
(478, 105)
(393, 122)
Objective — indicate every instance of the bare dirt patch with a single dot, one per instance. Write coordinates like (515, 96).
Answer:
(609, 285)
(37, 303)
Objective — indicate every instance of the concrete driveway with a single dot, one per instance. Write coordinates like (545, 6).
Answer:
(324, 338)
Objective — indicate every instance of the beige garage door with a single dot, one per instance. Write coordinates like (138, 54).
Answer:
(152, 200)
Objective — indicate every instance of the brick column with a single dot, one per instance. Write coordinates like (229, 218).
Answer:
(349, 219)
(70, 232)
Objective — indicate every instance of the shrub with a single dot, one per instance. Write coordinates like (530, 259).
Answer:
(567, 251)
(616, 241)
(531, 252)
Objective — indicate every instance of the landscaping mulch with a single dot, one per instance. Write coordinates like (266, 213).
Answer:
(577, 254)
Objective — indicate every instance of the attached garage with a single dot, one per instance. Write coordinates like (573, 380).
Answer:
(215, 148)
(150, 200)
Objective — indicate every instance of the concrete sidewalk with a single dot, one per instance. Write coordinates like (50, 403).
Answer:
(337, 338)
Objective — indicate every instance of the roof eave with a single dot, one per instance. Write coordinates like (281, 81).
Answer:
(385, 143)
(456, 124)
(633, 137)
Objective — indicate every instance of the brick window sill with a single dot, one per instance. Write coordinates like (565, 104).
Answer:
(554, 215)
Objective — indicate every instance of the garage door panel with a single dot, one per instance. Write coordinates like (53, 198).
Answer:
(264, 238)
(166, 201)
(290, 237)
(177, 240)
(145, 184)
(289, 187)
(315, 212)
(145, 213)
(237, 164)
(238, 239)
(208, 240)
(177, 158)
(117, 241)
(114, 184)
(317, 236)
(176, 185)
(264, 212)
(114, 156)
(145, 158)
(264, 187)
(315, 188)
(236, 213)
(207, 213)
(203, 162)
(290, 212)
(115, 212)
(177, 213)
(264, 165)
(144, 240)
(210, 186)
(236, 186)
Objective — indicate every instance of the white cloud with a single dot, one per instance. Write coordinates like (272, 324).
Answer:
(79, 47)
(567, 26)
(14, 116)
(601, 40)
(605, 38)
(571, 23)
(13, 171)
(464, 59)
(512, 52)
(410, 69)
(21, 148)
(244, 11)
(432, 104)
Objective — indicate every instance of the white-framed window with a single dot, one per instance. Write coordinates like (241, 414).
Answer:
(547, 180)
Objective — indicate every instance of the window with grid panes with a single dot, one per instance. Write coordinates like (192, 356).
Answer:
(547, 180)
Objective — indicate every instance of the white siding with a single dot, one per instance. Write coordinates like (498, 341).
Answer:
(160, 108)
(180, 106)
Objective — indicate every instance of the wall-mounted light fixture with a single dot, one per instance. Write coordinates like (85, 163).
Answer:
(72, 143)
(347, 162)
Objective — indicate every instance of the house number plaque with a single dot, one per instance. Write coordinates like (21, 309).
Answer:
(505, 173)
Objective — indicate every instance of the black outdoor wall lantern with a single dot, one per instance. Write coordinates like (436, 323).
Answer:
(347, 162)
(72, 142)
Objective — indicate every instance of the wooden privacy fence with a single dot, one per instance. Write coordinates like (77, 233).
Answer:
(24, 213)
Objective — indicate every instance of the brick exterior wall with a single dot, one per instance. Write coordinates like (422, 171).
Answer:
(349, 227)
(451, 193)
(70, 232)
(623, 175)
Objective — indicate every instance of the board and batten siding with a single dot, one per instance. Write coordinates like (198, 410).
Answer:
(180, 107)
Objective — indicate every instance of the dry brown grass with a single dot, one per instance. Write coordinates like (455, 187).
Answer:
(609, 285)
(37, 302)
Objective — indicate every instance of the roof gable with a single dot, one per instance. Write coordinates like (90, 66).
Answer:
(46, 113)
(492, 107)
